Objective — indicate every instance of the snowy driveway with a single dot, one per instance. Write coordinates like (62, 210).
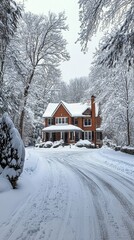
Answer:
(71, 194)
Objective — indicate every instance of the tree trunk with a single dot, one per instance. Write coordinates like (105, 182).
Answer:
(128, 129)
(21, 124)
(25, 95)
(3, 102)
(128, 124)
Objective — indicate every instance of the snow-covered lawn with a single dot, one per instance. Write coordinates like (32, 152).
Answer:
(70, 194)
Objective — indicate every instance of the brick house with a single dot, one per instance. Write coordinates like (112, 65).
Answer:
(72, 121)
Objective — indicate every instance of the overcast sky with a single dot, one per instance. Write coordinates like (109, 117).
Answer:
(79, 63)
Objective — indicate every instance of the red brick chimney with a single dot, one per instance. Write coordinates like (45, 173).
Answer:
(93, 118)
(93, 112)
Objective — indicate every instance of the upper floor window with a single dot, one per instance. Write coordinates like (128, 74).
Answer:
(61, 120)
(75, 122)
(49, 121)
(87, 122)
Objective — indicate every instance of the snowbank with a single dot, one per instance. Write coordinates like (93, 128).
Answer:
(128, 149)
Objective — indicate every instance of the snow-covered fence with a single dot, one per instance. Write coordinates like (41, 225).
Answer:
(12, 151)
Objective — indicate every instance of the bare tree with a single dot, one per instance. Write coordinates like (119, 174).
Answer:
(77, 88)
(40, 48)
(112, 81)
(105, 12)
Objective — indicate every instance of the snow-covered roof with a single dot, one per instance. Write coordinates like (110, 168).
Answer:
(58, 128)
(74, 109)
(99, 129)
(50, 109)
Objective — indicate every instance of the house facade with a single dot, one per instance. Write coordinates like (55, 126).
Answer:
(72, 121)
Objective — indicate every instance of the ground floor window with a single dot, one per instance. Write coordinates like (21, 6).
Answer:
(88, 135)
(99, 135)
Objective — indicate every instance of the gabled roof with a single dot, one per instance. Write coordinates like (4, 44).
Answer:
(50, 109)
(74, 109)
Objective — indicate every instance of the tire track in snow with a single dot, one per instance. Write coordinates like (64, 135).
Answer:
(25, 223)
(76, 200)
(97, 188)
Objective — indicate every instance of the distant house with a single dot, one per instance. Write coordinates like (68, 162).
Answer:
(72, 121)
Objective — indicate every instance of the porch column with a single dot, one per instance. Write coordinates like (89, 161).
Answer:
(50, 136)
(61, 135)
(44, 136)
(69, 136)
(74, 136)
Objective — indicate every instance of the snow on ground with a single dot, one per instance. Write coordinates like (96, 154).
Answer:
(70, 194)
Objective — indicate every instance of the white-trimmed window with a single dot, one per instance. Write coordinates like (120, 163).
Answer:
(49, 121)
(87, 122)
(99, 135)
(75, 121)
(61, 120)
(88, 135)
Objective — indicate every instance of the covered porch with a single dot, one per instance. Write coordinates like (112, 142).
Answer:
(69, 133)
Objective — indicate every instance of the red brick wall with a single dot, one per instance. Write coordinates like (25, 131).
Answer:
(61, 112)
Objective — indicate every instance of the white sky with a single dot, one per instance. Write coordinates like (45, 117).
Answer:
(79, 63)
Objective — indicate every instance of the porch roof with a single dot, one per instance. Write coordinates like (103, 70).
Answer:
(61, 128)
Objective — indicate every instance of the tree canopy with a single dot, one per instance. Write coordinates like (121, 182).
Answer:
(114, 13)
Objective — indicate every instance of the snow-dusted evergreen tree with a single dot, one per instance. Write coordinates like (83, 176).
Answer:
(9, 14)
(12, 152)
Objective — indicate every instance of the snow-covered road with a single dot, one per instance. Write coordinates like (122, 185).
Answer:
(71, 194)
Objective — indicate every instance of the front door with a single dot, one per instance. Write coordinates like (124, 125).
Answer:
(66, 137)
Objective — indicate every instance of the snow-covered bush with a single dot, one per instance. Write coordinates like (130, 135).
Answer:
(109, 143)
(12, 152)
(40, 145)
(84, 143)
(48, 144)
(58, 143)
